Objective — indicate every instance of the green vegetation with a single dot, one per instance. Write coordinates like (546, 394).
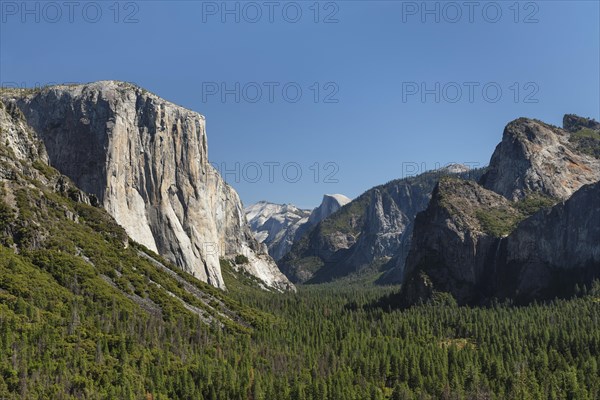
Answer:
(310, 264)
(45, 169)
(586, 133)
(502, 221)
(587, 141)
(86, 314)
(60, 318)
(7, 215)
(348, 219)
(331, 343)
(534, 202)
(241, 259)
(497, 222)
(96, 325)
(238, 279)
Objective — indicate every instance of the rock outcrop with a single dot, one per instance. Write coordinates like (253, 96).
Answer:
(585, 134)
(531, 230)
(537, 157)
(145, 159)
(454, 240)
(18, 138)
(330, 204)
(574, 123)
(364, 234)
(279, 226)
(545, 255)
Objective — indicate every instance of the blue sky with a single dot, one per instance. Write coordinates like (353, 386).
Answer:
(361, 66)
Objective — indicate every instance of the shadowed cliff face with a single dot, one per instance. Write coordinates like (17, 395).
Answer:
(508, 237)
(555, 249)
(146, 161)
(452, 244)
(17, 136)
(544, 256)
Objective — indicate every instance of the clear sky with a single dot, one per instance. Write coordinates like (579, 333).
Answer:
(361, 66)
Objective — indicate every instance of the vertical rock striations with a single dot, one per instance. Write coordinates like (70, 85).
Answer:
(554, 250)
(454, 241)
(146, 161)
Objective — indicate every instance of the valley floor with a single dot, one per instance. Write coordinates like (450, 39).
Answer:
(337, 342)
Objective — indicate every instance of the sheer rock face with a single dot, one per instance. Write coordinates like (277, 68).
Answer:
(387, 216)
(17, 136)
(536, 157)
(330, 204)
(555, 247)
(479, 244)
(145, 159)
(450, 246)
(365, 230)
(545, 256)
(24, 169)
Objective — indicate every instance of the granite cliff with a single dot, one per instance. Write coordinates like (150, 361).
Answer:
(530, 229)
(537, 157)
(145, 161)
(59, 248)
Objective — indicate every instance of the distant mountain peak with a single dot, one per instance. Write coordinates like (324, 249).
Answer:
(330, 204)
(280, 225)
(339, 197)
(455, 168)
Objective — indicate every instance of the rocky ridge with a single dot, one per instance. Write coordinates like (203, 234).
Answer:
(529, 230)
(366, 233)
(276, 225)
(537, 157)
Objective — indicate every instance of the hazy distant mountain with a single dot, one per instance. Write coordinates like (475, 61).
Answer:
(279, 225)
(365, 233)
